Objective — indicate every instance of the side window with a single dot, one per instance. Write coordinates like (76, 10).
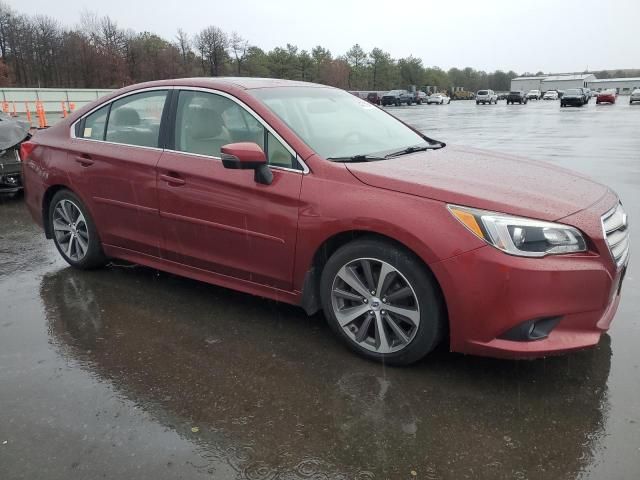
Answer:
(94, 124)
(206, 121)
(278, 155)
(135, 119)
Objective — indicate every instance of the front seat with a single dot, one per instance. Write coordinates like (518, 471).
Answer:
(206, 133)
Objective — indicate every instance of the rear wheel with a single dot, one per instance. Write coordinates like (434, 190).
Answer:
(382, 302)
(74, 231)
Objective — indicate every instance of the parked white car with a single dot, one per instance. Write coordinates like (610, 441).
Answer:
(550, 95)
(438, 98)
(534, 95)
(486, 96)
(635, 96)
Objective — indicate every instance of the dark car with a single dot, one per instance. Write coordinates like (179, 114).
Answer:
(374, 98)
(517, 96)
(341, 207)
(12, 133)
(573, 97)
(397, 98)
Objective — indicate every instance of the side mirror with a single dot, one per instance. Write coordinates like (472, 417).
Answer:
(247, 156)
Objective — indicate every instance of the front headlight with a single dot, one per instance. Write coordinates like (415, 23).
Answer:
(520, 236)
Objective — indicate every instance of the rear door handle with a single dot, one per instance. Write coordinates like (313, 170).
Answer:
(84, 160)
(172, 179)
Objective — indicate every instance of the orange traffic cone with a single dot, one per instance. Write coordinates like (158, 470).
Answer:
(14, 113)
(64, 110)
(26, 109)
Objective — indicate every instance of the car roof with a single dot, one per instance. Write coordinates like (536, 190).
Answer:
(244, 83)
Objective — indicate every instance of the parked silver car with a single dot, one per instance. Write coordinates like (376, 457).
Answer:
(486, 96)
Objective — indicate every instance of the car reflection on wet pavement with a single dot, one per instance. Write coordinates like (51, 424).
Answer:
(126, 372)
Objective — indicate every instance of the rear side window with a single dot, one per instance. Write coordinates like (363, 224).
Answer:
(135, 119)
(94, 124)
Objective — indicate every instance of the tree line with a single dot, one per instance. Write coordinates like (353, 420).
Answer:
(37, 51)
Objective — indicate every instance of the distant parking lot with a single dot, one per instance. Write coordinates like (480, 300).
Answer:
(125, 369)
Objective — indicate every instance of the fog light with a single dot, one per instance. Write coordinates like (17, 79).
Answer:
(531, 330)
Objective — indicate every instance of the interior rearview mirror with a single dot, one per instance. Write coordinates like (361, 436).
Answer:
(247, 156)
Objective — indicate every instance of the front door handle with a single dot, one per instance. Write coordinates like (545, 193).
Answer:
(84, 160)
(172, 179)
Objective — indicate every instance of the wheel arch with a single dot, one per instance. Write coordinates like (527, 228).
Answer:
(310, 298)
(46, 203)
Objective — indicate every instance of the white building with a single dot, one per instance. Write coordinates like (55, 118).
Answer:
(552, 82)
(624, 86)
(526, 83)
(563, 82)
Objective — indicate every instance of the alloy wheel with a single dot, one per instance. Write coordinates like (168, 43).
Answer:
(375, 305)
(70, 230)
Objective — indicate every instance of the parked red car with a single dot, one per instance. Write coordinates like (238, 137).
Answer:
(606, 96)
(305, 194)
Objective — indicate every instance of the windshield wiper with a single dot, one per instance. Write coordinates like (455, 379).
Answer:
(414, 150)
(356, 158)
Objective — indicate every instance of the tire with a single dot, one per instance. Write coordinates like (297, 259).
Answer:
(360, 332)
(477, 103)
(441, 102)
(68, 212)
(397, 103)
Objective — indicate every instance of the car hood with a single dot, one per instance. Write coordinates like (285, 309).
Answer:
(486, 180)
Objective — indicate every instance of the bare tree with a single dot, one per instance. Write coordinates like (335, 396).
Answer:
(184, 47)
(212, 43)
(239, 48)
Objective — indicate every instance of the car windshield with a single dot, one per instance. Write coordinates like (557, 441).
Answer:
(336, 124)
(573, 91)
(515, 92)
(394, 92)
(482, 92)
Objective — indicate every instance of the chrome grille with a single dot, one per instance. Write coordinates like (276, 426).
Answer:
(616, 233)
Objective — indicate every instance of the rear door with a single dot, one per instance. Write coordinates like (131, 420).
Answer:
(115, 153)
(221, 220)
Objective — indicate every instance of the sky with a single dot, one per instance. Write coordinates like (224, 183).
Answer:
(520, 35)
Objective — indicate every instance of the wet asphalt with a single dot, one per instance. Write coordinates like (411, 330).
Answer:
(130, 373)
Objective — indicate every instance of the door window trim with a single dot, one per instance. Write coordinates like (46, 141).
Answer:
(168, 115)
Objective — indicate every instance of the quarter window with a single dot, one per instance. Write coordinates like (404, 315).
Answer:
(135, 119)
(94, 124)
(277, 153)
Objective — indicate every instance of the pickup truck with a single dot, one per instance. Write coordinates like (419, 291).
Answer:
(397, 98)
(517, 96)
(534, 95)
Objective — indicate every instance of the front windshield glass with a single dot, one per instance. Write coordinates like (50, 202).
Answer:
(482, 92)
(573, 91)
(336, 124)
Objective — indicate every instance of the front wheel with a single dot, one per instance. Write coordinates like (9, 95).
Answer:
(74, 231)
(382, 302)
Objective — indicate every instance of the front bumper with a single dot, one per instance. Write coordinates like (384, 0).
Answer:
(10, 173)
(488, 293)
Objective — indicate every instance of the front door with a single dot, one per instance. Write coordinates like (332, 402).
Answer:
(218, 219)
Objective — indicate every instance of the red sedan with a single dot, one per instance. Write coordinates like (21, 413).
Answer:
(305, 194)
(606, 96)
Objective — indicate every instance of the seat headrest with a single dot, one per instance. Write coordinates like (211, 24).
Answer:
(126, 117)
(204, 123)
